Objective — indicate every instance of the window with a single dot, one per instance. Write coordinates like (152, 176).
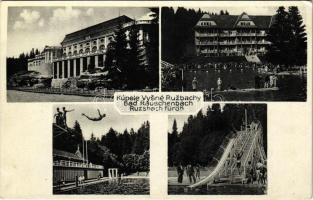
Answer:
(101, 40)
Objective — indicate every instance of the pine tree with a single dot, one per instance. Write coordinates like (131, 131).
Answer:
(134, 70)
(298, 40)
(279, 35)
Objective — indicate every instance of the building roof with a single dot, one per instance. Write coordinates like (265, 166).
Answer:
(230, 21)
(95, 30)
(66, 155)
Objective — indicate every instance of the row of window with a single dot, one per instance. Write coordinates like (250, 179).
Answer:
(207, 24)
(87, 50)
(102, 40)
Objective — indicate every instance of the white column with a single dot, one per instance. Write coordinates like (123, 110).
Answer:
(96, 61)
(81, 65)
(74, 63)
(88, 62)
(68, 68)
(105, 42)
(58, 69)
(63, 68)
(103, 60)
(97, 44)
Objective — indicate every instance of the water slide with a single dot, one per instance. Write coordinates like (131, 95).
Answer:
(210, 178)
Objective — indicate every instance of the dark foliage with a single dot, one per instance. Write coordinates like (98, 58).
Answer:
(202, 135)
(113, 149)
(178, 34)
(19, 64)
(288, 38)
(125, 57)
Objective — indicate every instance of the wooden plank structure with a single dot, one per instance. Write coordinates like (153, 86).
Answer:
(67, 166)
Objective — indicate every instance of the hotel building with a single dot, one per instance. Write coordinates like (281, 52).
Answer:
(85, 50)
(232, 35)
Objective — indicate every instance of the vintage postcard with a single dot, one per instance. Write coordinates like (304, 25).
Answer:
(156, 100)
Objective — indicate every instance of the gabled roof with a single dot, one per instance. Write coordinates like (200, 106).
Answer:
(230, 21)
(67, 155)
(95, 30)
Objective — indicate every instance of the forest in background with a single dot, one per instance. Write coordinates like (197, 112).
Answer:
(178, 36)
(287, 35)
(202, 134)
(128, 151)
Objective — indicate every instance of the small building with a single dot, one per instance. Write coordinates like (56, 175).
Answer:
(42, 62)
(67, 165)
(232, 35)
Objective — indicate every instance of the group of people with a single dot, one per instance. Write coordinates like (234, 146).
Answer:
(269, 81)
(60, 117)
(192, 172)
(218, 66)
(257, 173)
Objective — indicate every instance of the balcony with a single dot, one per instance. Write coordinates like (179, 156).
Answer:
(228, 35)
(208, 51)
(66, 163)
(205, 34)
(98, 52)
(228, 43)
(247, 34)
(207, 43)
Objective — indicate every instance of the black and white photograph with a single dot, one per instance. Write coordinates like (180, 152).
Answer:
(229, 53)
(222, 150)
(98, 151)
(81, 54)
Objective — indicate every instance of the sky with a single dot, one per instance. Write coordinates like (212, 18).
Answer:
(35, 27)
(255, 10)
(181, 119)
(113, 119)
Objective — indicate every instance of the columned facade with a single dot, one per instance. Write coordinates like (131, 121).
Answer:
(75, 66)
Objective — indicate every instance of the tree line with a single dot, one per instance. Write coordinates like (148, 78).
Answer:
(19, 64)
(178, 34)
(288, 38)
(134, 65)
(202, 134)
(128, 151)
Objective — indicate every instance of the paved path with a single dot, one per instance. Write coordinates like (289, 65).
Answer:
(20, 96)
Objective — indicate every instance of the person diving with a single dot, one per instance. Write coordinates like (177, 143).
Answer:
(99, 118)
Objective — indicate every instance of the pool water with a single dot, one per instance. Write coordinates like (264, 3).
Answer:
(135, 186)
(291, 87)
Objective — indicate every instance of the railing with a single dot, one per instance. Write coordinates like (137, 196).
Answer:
(80, 55)
(249, 153)
(206, 34)
(67, 163)
(207, 43)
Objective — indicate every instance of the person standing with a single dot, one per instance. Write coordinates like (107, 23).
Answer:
(180, 173)
(58, 117)
(194, 84)
(219, 84)
(64, 115)
(198, 171)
